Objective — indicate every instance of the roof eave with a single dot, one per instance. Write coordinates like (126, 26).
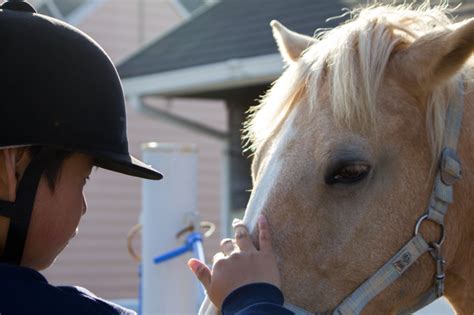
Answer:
(206, 78)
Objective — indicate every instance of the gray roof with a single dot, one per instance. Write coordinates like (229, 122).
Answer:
(233, 29)
(65, 7)
(192, 5)
(227, 30)
(44, 9)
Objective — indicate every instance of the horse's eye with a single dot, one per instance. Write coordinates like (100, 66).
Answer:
(348, 173)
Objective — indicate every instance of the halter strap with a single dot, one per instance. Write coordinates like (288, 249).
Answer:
(391, 271)
(442, 196)
(449, 172)
(19, 212)
(450, 165)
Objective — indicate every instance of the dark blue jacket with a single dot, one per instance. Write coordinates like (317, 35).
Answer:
(24, 291)
(255, 299)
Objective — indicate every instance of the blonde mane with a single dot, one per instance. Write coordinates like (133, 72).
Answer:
(352, 59)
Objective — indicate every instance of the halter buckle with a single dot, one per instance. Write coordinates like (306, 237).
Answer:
(450, 166)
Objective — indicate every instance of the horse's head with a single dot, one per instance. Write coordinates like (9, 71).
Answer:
(344, 147)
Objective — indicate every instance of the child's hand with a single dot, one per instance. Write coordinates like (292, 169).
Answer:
(238, 264)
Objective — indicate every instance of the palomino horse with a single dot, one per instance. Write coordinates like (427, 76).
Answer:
(354, 145)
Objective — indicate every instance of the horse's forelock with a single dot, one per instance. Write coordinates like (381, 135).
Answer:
(352, 59)
(266, 118)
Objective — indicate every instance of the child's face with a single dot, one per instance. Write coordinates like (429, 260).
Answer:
(56, 215)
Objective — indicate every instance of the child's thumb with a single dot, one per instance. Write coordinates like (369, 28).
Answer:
(202, 272)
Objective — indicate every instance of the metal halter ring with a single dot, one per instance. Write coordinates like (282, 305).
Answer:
(425, 217)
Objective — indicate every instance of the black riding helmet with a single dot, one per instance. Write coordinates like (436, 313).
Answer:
(58, 89)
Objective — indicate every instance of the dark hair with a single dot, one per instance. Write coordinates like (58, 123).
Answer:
(53, 167)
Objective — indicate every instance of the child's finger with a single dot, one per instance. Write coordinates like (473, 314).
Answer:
(264, 235)
(242, 238)
(227, 246)
(218, 256)
(202, 272)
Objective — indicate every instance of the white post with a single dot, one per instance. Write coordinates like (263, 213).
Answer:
(225, 191)
(167, 206)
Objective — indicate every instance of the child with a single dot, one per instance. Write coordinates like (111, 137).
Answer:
(63, 112)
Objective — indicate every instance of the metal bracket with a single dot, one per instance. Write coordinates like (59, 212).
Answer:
(440, 276)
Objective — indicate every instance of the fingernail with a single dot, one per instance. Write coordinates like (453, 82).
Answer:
(262, 219)
(193, 265)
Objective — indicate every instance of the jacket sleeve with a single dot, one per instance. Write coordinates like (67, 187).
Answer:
(255, 299)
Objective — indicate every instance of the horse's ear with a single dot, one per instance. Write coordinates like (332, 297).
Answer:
(435, 57)
(290, 44)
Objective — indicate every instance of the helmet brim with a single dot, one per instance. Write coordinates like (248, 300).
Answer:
(126, 164)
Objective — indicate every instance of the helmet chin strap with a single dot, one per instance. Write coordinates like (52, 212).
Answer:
(19, 212)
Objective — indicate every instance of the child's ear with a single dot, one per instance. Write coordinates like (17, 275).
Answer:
(8, 175)
(13, 163)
